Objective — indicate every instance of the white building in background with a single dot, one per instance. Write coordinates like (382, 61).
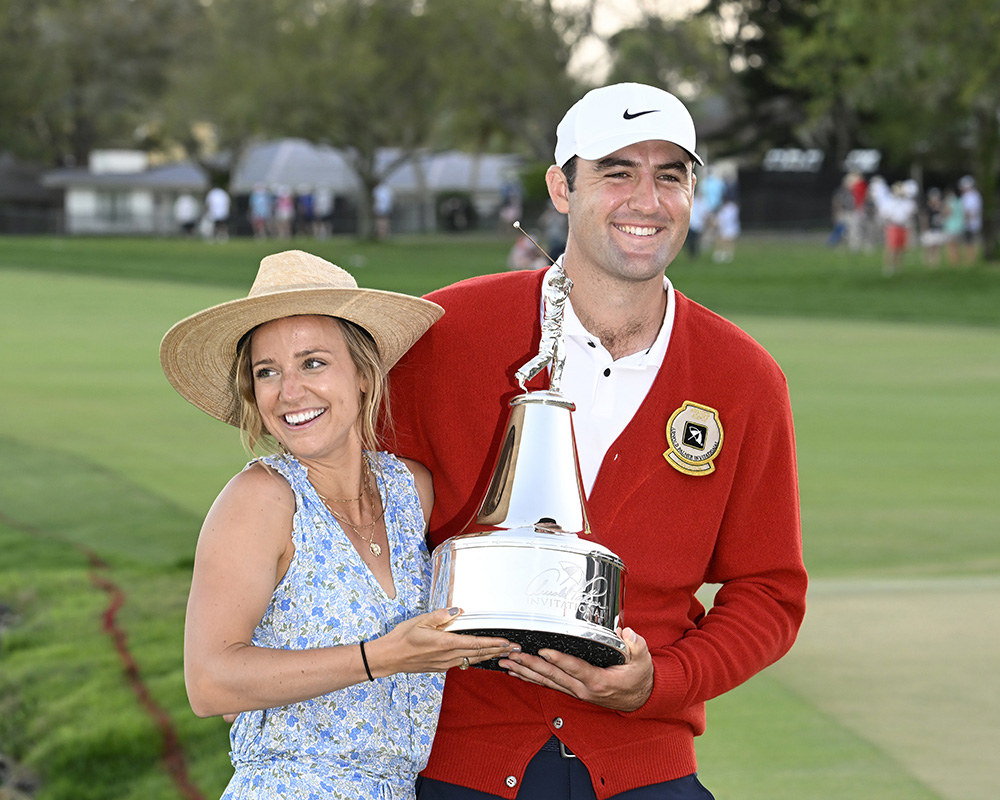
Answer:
(119, 193)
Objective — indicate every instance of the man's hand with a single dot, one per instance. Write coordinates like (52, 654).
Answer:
(621, 688)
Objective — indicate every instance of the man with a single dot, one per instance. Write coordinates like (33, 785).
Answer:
(186, 213)
(687, 457)
(972, 208)
(217, 203)
(383, 198)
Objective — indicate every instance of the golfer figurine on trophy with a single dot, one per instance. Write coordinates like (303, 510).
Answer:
(521, 569)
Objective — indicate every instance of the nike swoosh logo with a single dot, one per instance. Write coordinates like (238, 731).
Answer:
(626, 115)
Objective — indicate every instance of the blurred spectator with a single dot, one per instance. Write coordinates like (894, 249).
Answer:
(323, 207)
(972, 205)
(217, 205)
(871, 221)
(727, 222)
(511, 204)
(525, 255)
(954, 225)
(284, 213)
(713, 187)
(879, 194)
(383, 197)
(856, 223)
(932, 235)
(842, 212)
(305, 211)
(898, 209)
(186, 213)
(699, 211)
(556, 225)
(261, 211)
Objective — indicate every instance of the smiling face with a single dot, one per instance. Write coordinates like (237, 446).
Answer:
(628, 212)
(306, 385)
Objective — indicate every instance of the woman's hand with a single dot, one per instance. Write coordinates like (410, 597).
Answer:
(423, 644)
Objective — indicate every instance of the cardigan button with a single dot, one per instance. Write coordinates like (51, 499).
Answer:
(557, 723)
(511, 781)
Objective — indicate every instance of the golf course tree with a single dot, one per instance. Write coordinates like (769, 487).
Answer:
(682, 56)
(350, 74)
(80, 74)
(918, 80)
(364, 76)
(76, 75)
(767, 113)
(503, 71)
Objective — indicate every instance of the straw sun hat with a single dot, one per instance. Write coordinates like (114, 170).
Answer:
(198, 354)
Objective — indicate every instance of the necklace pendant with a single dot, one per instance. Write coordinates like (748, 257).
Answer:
(375, 548)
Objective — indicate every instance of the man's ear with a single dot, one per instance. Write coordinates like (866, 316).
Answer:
(555, 179)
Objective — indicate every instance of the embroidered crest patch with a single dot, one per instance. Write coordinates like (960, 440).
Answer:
(694, 436)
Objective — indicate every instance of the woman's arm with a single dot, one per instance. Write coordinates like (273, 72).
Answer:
(244, 547)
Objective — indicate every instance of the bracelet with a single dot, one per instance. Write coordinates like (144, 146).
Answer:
(364, 658)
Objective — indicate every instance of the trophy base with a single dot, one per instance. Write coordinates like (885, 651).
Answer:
(593, 652)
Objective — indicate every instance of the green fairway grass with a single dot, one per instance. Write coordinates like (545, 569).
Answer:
(896, 425)
(909, 665)
(788, 277)
(894, 387)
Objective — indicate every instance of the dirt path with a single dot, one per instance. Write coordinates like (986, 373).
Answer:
(172, 756)
(912, 666)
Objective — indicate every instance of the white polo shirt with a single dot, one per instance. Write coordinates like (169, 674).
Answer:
(607, 393)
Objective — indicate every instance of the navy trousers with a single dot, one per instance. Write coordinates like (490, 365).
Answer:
(551, 776)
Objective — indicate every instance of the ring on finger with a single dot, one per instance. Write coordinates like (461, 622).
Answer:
(465, 663)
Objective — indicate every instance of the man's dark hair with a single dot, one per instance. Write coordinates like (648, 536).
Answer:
(569, 170)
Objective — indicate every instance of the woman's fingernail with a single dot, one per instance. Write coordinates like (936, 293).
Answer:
(453, 611)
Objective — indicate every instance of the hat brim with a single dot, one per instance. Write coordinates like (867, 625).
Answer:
(198, 354)
(595, 151)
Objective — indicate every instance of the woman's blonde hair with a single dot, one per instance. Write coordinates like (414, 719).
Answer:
(374, 400)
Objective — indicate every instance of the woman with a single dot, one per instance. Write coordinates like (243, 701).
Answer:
(311, 570)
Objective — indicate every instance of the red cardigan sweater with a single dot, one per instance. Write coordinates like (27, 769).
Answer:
(737, 526)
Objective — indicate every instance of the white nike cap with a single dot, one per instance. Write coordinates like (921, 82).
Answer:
(613, 117)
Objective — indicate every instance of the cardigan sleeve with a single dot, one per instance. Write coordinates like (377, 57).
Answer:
(756, 560)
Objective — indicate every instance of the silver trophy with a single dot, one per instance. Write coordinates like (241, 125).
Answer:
(525, 569)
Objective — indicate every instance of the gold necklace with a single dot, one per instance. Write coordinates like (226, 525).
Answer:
(365, 472)
(373, 546)
(343, 499)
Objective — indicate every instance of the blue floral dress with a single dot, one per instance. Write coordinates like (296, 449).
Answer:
(369, 740)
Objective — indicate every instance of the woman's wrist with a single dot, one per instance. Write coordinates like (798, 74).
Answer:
(364, 661)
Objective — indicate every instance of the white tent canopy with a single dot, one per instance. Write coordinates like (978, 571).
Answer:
(297, 162)
(293, 163)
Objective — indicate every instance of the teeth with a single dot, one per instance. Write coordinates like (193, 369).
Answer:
(637, 231)
(302, 416)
